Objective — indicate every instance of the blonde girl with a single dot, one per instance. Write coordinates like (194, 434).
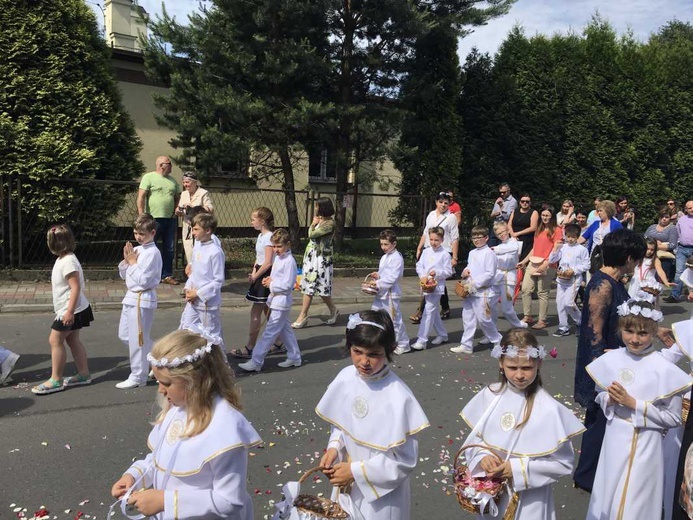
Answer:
(72, 313)
(199, 460)
(526, 431)
(262, 220)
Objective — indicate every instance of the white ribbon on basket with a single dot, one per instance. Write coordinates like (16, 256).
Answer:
(481, 498)
(287, 511)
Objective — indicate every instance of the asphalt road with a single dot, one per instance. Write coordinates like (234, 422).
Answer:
(64, 451)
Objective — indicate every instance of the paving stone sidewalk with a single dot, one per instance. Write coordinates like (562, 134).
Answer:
(32, 296)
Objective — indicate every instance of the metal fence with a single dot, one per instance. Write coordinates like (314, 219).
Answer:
(23, 230)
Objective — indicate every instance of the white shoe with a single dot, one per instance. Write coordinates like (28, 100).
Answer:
(7, 366)
(523, 325)
(484, 341)
(439, 340)
(289, 363)
(129, 383)
(250, 366)
(333, 317)
(402, 350)
(462, 349)
(418, 346)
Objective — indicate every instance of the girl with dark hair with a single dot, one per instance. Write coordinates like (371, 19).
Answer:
(525, 431)
(374, 419)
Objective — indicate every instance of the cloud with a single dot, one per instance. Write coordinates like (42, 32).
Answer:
(548, 17)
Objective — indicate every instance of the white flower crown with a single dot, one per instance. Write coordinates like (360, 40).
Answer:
(199, 353)
(355, 320)
(631, 307)
(512, 351)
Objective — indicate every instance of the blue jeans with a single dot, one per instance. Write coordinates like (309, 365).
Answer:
(166, 233)
(682, 253)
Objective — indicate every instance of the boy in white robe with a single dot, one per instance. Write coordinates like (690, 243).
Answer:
(573, 260)
(434, 263)
(478, 307)
(527, 432)
(640, 394)
(141, 270)
(281, 285)
(507, 257)
(203, 288)
(195, 469)
(387, 279)
(375, 419)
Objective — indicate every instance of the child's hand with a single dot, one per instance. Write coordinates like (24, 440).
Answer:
(619, 395)
(188, 270)
(503, 470)
(340, 474)
(666, 336)
(328, 459)
(127, 249)
(266, 281)
(432, 274)
(121, 487)
(490, 464)
(149, 502)
(190, 295)
(466, 273)
(374, 275)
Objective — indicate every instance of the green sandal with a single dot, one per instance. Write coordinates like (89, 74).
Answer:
(49, 387)
(78, 380)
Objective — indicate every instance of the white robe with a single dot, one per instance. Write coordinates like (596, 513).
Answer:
(209, 471)
(374, 425)
(540, 455)
(630, 474)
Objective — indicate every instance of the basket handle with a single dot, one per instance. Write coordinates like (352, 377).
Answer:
(459, 452)
(309, 473)
(368, 278)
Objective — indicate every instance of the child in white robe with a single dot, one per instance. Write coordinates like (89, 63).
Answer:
(507, 257)
(573, 260)
(640, 394)
(281, 285)
(199, 460)
(528, 433)
(141, 270)
(374, 420)
(203, 288)
(434, 262)
(387, 279)
(478, 307)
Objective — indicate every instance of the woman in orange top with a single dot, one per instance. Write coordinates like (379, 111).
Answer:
(539, 272)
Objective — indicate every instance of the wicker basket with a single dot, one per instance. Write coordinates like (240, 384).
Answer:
(499, 487)
(429, 285)
(461, 289)
(368, 286)
(318, 506)
(685, 409)
(565, 274)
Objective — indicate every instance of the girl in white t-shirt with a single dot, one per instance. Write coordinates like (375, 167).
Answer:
(262, 220)
(72, 312)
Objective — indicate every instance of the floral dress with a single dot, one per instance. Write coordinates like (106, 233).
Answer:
(317, 260)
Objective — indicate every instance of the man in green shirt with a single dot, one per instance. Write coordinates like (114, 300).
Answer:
(158, 195)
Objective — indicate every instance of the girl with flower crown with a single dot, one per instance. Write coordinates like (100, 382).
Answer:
(199, 460)
(374, 419)
(640, 393)
(525, 431)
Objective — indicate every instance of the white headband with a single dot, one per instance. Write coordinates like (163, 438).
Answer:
(631, 307)
(190, 358)
(355, 320)
(512, 351)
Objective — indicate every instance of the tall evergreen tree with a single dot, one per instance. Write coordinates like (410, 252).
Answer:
(61, 116)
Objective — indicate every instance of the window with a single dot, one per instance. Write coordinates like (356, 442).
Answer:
(321, 165)
(230, 168)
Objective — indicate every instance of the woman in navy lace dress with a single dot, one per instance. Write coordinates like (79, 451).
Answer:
(621, 249)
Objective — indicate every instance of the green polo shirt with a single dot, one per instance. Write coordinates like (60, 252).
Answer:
(161, 194)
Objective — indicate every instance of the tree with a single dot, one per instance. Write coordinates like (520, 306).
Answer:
(61, 116)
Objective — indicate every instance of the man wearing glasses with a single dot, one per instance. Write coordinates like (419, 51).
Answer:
(158, 195)
(502, 209)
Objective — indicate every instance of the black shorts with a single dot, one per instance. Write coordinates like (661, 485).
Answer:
(257, 293)
(82, 319)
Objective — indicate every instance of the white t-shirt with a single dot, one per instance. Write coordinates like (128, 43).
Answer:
(263, 240)
(61, 289)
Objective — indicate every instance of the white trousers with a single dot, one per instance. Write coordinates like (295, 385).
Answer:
(565, 302)
(479, 310)
(278, 324)
(128, 333)
(391, 306)
(431, 318)
(506, 290)
(206, 319)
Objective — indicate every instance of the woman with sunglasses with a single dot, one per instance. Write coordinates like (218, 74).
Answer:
(523, 223)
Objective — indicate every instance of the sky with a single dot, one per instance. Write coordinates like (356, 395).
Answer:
(546, 17)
